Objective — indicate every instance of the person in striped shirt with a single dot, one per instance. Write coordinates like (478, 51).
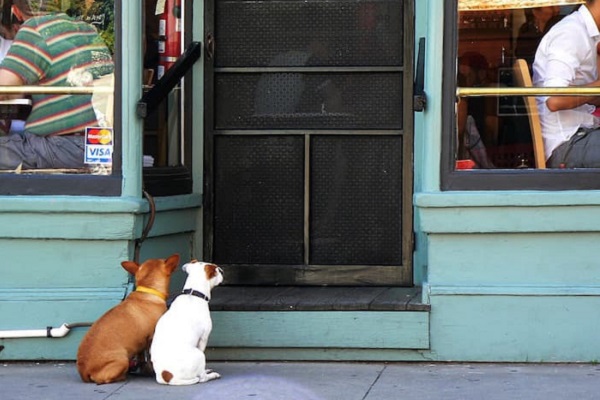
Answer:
(51, 49)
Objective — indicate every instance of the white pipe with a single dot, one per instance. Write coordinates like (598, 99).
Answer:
(49, 332)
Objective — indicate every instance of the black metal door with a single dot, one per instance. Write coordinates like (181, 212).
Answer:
(309, 141)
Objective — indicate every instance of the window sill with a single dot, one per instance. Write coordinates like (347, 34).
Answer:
(508, 212)
(60, 184)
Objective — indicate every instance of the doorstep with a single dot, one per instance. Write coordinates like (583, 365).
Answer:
(254, 317)
(299, 298)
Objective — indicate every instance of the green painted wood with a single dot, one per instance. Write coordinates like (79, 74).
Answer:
(175, 221)
(39, 309)
(72, 204)
(330, 354)
(83, 218)
(67, 225)
(517, 290)
(549, 259)
(41, 348)
(321, 329)
(132, 126)
(51, 309)
(197, 103)
(515, 328)
(180, 202)
(89, 204)
(448, 215)
(32, 297)
(506, 198)
(44, 263)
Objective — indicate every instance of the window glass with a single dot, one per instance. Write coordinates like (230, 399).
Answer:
(57, 74)
(503, 130)
(166, 156)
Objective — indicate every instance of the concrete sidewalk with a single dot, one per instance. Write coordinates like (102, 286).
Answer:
(319, 381)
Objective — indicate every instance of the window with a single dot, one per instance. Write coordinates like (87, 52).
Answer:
(488, 126)
(69, 95)
(167, 128)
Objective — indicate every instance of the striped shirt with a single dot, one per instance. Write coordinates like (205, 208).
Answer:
(48, 50)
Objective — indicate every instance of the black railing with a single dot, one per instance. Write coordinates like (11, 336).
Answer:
(153, 97)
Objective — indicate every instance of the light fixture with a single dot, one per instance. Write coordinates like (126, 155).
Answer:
(474, 5)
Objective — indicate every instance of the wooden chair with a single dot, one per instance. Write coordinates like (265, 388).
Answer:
(523, 79)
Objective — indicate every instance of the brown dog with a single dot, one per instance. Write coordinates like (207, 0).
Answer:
(126, 330)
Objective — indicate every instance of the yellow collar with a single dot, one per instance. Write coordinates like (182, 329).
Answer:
(155, 292)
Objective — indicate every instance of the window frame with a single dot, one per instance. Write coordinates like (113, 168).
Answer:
(491, 179)
(80, 184)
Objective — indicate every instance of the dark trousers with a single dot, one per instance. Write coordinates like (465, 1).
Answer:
(32, 151)
(581, 151)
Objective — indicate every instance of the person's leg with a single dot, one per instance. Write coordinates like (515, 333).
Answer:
(15, 151)
(33, 151)
(584, 151)
(581, 151)
(66, 151)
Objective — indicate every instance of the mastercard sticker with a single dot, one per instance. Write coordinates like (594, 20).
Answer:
(98, 145)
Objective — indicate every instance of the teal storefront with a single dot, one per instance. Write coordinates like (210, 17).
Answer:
(317, 167)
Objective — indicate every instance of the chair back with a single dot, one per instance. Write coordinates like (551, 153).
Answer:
(523, 79)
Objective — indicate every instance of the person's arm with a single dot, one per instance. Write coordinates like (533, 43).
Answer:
(556, 103)
(7, 78)
(563, 55)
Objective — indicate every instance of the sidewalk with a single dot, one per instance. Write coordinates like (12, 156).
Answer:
(319, 381)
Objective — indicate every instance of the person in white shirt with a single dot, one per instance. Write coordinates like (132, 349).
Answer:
(568, 56)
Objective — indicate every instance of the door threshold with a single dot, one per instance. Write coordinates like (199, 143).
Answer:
(308, 298)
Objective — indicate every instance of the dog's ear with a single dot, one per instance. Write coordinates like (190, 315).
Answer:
(130, 266)
(211, 271)
(172, 262)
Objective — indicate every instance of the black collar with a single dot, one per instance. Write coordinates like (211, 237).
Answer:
(195, 293)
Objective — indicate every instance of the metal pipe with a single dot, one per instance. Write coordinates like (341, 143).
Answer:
(56, 89)
(49, 332)
(529, 91)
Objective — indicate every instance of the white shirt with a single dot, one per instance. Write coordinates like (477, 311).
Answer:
(566, 56)
(4, 46)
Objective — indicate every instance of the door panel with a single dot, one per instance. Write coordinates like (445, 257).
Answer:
(356, 210)
(309, 142)
(259, 215)
(271, 100)
(343, 32)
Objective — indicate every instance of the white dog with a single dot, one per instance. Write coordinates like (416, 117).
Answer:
(181, 334)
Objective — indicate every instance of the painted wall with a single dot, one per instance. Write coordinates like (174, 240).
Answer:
(513, 276)
(510, 276)
(61, 262)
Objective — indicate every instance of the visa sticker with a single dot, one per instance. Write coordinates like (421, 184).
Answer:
(98, 145)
